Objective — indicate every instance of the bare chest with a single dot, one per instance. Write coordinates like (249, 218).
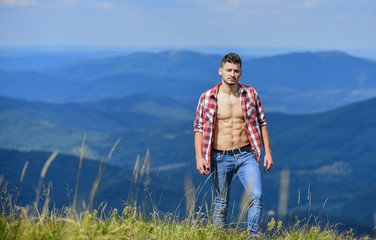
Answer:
(229, 107)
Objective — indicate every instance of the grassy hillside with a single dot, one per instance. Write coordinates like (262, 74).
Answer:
(118, 218)
(330, 155)
(115, 188)
(130, 225)
(334, 152)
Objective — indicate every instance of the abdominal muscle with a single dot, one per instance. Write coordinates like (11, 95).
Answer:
(230, 133)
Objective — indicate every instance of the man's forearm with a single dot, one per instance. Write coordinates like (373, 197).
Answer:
(266, 140)
(202, 166)
(198, 144)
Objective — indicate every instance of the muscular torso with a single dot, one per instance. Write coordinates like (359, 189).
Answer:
(230, 128)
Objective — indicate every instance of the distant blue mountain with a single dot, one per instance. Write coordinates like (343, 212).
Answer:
(103, 116)
(294, 83)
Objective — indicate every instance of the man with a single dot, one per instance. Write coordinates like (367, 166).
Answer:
(229, 128)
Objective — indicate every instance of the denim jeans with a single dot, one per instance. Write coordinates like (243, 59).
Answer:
(224, 169)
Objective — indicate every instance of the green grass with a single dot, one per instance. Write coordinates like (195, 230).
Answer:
(40, 221)
(130, 225)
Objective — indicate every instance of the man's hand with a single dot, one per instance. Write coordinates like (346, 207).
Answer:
(268, 162)
(268, 159)
(202, 166)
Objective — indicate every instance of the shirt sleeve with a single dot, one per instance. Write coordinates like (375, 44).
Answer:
(198, 122)
(260, 110)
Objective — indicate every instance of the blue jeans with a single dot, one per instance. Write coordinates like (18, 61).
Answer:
(224, 168)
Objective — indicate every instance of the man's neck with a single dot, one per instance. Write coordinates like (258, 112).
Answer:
(229, 88)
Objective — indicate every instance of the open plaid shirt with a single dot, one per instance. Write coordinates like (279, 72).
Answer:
(253, 114)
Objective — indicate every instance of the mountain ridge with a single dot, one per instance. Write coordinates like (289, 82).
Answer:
(301, 82)
(142, 107)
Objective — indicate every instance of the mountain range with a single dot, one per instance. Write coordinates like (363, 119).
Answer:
(302, 82)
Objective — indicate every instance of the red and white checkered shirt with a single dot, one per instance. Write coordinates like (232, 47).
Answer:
(253, 114)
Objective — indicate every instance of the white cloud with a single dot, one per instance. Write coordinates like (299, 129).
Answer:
(321, 94)
(18, 3)
(367, 93)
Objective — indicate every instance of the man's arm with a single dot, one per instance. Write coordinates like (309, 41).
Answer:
(202, 165)
(268, 159)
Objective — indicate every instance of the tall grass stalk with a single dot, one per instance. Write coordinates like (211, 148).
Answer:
(45, 211)
(95, 186)
(78, 173)
(309, 198)
(110, 153)
(244, 205)
(283, 193)
(42, 176)
(189, 197)
(323, 205)
(141, 168)
(102, 166)
(164, 188)
(299, 197)
(20, 183)
(146, 168)
(1, 179)
(134, 179)
(113, 149)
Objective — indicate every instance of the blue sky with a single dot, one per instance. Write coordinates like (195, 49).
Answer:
(318, 24)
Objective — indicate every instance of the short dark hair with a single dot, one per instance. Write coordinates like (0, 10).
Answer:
(231, 58)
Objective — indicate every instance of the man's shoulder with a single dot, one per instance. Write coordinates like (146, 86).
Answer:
(247, 88)
(211, 91)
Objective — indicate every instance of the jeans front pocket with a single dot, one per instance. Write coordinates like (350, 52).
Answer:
(216, 157)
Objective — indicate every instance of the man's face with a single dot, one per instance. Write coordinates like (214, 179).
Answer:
(230, 73)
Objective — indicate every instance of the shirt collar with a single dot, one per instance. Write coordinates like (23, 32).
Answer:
(214, 91)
